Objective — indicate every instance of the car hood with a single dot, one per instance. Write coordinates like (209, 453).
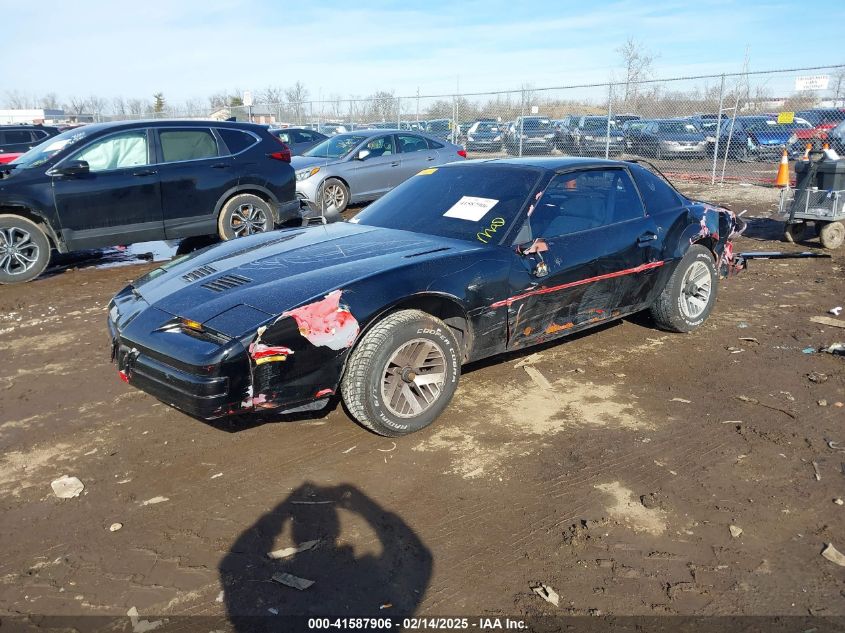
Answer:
(281, 270)
(301, 162)
(773, 137)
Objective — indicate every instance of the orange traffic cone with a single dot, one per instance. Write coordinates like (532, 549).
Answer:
(807, 152)
(782, 179)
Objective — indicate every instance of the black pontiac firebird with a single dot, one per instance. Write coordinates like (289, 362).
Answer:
(459, 263)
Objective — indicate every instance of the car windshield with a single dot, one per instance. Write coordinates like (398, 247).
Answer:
(596, 124)
(677, 127)
(771, 126)
(336, 146)
(485, 126)
(536, 124)
(40, 154)
(474, 202)
(820, 117)
(438, 126)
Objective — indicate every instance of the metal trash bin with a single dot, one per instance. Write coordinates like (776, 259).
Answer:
(829, 175)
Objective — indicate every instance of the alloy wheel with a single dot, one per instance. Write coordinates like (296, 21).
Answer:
(413, 378)
(695, 290)
(334, 197)
(248, 219)
(18, 253)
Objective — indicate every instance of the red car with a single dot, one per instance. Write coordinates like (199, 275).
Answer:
(822, 121)
(8, 157)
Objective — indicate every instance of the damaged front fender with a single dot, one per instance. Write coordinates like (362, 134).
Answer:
(298, 358)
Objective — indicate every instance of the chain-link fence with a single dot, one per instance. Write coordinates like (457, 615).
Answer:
(711, 128)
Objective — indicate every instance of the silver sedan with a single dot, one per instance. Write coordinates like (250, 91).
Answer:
(362, 166)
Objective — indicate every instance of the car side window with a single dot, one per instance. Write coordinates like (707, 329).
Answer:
(118, 151)
(381, 146)
(180, 145)
(304, 137)
(409, 143)
(284, 137)
(658, 195)
(237, 140)
(433, 144)
(584, 200)
(14, 137)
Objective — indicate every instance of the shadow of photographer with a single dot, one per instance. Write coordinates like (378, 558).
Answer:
(367, 562)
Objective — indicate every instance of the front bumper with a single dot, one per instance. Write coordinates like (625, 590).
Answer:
(599, 146)
(206, 391)
(484, 146)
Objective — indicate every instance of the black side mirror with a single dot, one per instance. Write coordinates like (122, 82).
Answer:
(74, 168)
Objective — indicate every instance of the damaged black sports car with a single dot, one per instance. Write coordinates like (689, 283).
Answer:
(457, 264)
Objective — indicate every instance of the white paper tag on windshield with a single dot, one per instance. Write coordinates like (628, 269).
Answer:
(470, 208)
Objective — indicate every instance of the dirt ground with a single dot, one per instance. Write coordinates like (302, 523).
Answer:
(617, 489)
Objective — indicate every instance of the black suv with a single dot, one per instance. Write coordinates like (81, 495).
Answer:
(119, 183)
(17, 139)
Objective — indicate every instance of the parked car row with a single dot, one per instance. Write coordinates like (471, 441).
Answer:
(745, 137)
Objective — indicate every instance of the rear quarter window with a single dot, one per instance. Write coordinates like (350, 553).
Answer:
(237, 141)
(657, 195)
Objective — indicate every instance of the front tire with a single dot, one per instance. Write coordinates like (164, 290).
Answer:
(402, 374)
(690, 294)
(793, 233)
(244, 214)
(333, 197)
(24, 250)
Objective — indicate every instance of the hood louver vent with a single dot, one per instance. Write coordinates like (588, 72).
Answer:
(226, 282)
(199, 273)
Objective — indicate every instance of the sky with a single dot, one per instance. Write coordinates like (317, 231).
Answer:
(189, 49)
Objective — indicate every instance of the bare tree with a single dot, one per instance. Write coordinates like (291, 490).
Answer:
(637, 61)
(383, 105)
(118, 106)
(336, 106)
(296, 96)
(194, 107)
(98, 106)
(137, 107)
(838, 87)
(17, 100)
(50, 101)
(219, 100)
(271, 95)
(76, 105)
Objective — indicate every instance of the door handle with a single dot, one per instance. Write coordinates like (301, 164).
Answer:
(220, 165)
(146, 172)
(431, 158)
(396, 164)
(645, 238)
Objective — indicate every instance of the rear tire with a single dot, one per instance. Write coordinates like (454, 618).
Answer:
(402, 373)
(24, 250)
(832, 235)
(690, 294)
(245, 214)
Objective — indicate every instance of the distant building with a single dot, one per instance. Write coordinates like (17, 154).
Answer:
(260, 114)
(39, 115)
